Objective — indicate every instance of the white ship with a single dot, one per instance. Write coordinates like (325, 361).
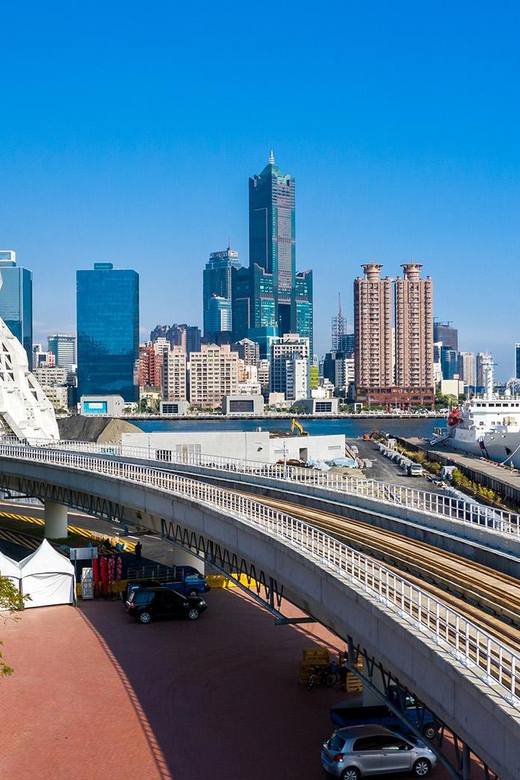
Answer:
(488, 427)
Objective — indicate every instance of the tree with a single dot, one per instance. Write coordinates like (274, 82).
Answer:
(11, 601)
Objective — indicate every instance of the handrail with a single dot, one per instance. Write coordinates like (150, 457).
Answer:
(490, 519)
(494, 662)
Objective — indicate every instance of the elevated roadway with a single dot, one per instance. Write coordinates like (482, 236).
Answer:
(463, 673)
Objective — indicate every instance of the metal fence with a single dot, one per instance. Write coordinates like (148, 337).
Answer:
(494, 520)
(492, 661)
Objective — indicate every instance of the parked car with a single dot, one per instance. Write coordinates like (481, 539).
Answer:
(363, 751)
(146, 604)
(183, 579)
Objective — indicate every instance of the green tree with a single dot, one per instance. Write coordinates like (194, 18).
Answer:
(11, 601)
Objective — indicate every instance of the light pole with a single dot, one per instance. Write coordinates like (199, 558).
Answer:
(284, 447)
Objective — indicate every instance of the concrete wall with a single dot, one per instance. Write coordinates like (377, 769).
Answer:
(251, 445)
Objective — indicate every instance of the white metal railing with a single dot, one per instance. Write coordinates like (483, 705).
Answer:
(489, 518)
(492, 661)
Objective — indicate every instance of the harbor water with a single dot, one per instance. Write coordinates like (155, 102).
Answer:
(351, 428)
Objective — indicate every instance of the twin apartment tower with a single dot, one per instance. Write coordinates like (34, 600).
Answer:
(394, 354)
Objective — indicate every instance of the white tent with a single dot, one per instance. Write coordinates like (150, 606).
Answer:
(47, 577)
(10, 569)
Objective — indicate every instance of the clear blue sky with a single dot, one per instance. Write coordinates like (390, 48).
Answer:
(128, 132)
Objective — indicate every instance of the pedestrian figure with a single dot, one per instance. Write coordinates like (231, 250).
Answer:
(138, 551)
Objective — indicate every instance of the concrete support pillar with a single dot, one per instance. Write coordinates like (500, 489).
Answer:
(55, 520)
(183, 557)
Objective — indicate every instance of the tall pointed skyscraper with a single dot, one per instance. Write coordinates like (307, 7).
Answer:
(280, 299)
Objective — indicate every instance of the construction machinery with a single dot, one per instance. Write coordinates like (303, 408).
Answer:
(298, 426)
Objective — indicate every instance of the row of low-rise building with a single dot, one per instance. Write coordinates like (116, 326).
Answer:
(204, 377)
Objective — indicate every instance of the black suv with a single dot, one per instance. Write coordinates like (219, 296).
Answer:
(147, 604)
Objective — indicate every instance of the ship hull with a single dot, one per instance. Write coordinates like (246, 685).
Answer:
(495, 446)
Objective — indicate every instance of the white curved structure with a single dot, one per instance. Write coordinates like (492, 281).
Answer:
(25, 410)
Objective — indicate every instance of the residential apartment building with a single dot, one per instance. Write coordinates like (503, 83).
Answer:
(150, 365)
(466, 366)
(213, 374)
(174, 374)
(394, 361)
(373, 330)
(413, 329)
(51, 376)
(289, 354)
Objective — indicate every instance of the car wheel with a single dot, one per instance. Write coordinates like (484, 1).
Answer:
(311, 681)
(145, 617)
(430, 730)
(192, 593)
(422, 767)
(193, 614)
(351, 773)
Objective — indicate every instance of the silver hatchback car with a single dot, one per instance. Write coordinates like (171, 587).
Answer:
(362, 751)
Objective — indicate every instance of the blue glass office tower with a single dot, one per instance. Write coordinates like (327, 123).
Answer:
(16, 300)
(217, 283)
(280, 299)
(108, 331)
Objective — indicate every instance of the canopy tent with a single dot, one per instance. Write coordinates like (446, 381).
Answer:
(47, 577)
(10, 569)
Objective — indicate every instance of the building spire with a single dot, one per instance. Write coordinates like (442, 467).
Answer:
(271, 158)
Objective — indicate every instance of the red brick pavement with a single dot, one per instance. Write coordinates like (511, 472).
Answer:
(97, 695)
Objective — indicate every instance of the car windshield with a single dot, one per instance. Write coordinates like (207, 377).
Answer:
(335, 742)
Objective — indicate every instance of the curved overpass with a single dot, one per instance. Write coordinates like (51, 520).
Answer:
(469, 679)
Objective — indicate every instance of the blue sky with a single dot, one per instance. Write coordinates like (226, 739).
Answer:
(129, 131)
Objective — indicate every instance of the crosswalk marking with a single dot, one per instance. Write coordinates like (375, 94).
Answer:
(129, 546)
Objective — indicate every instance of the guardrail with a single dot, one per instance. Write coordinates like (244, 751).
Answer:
(492, 661)
(494, 520)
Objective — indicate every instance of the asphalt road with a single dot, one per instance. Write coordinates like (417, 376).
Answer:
(386, 470)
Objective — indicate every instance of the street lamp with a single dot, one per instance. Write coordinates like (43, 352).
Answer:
(284, 447)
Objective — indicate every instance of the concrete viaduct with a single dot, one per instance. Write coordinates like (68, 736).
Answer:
(317, 574)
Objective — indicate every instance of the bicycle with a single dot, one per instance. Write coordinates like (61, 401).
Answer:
(327, 675)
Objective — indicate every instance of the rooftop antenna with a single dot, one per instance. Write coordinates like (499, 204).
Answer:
(338, 327)
(228, 243)
(271, 158)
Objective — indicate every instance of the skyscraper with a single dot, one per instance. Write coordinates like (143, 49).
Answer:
(272, 243)
(373, 330)
(108, 331)
(16, 302)
(448, 335)
(280, 301)
(413, 329)
(394, 371)
(63, 347)
(517, 361)
(218, 283)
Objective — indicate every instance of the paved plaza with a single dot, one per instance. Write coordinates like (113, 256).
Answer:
(95, 694)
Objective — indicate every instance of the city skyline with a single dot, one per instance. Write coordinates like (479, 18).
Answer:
(400, 132)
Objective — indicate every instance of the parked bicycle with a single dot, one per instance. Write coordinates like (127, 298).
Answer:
(327, 675)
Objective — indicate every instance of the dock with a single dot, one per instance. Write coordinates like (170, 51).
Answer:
(501, 479)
